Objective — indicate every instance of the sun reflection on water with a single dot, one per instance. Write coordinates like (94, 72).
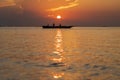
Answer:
(58, 43)
(57, 76)
(59, 57)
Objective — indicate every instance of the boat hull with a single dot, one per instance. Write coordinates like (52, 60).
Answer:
(56, 26)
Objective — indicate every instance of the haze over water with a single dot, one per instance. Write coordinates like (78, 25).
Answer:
(85, 53)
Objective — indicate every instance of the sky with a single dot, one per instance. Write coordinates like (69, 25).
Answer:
(73, 12)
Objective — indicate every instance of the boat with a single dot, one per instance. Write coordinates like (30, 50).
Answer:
(57, 26)
(54, 26)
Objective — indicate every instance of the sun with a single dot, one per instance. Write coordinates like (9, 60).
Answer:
(58, 17)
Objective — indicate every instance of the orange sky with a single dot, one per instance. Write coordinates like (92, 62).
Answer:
(68, 9)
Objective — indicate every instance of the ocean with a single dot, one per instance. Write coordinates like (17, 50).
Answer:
(79, 53)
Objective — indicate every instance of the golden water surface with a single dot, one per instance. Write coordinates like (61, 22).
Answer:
(34, 53)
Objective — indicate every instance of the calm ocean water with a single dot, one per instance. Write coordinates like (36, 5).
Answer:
(85, 53)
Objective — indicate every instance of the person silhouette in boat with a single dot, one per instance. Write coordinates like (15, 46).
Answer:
(60, 25)
(53, 25)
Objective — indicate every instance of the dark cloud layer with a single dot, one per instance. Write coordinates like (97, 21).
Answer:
(14, 16)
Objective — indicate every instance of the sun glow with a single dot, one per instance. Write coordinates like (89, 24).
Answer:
(58, 17)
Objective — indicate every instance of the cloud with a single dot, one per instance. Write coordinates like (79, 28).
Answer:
(6, 3)
(70, 5)
(23, 4)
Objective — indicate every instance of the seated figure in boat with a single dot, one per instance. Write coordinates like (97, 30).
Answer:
(53, 25)
(60, 25)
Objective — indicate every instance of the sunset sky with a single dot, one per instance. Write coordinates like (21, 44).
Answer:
(73, 12)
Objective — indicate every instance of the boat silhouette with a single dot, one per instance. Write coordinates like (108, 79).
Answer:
(54, 26)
